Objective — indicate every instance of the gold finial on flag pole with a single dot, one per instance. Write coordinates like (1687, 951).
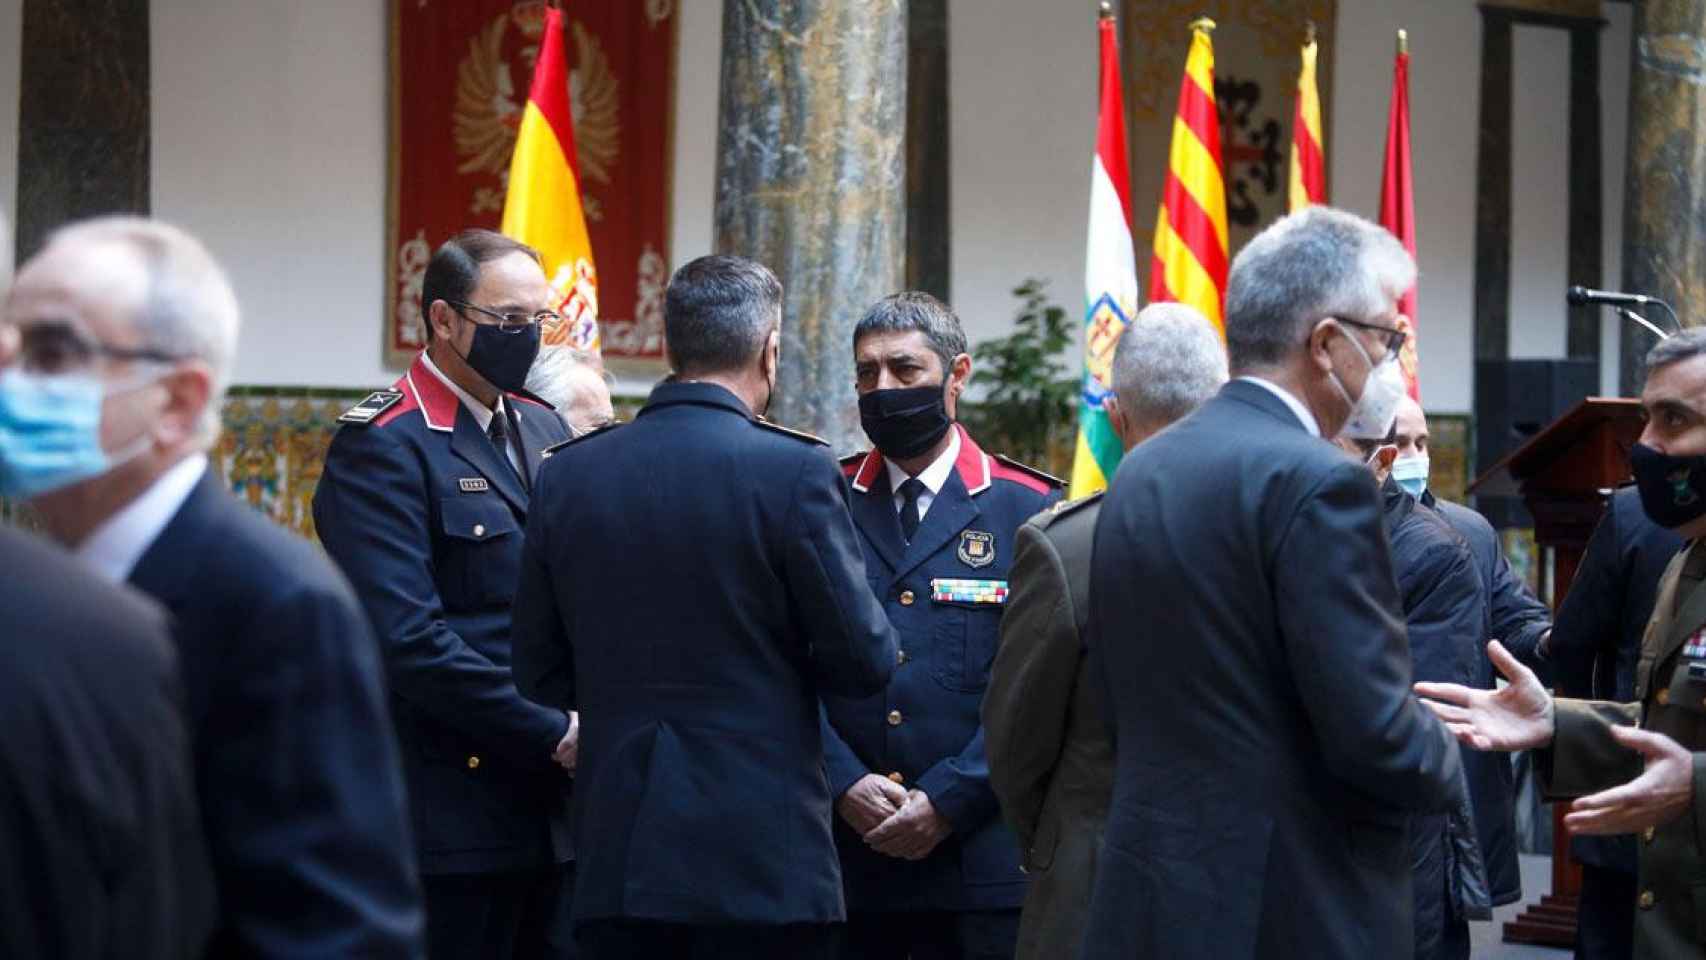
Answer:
(1404, 42)
(1309, 33)
(1106, 11)
(1204, 24)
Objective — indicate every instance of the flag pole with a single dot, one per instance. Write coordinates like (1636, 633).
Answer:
(1308, 32)
(1105, 11)
(1403, 42)
(1204, 24)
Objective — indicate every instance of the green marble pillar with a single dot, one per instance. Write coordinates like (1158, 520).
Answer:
(1664, 208)
(811, 181)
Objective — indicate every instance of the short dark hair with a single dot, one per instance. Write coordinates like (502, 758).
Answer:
(454, 270)
(718, 312)
(915, 310)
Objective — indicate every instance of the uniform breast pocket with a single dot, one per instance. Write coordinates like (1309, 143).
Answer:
(479, 553)
(963, 645)
(1687, 690)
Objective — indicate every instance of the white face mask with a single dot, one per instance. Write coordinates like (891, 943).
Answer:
(1411, 473)
(1373, 413)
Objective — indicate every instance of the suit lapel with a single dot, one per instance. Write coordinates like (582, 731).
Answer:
(1691, 611)
(875, 516)
(470, 443)
(1660, 627)
(164, 569)
(533, 439)
(949, 513)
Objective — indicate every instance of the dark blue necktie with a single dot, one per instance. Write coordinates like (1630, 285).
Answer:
(910, 488)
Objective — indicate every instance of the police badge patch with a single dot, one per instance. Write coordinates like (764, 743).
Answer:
(977, 549)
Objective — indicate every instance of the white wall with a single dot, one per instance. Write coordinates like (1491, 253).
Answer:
(269, 141)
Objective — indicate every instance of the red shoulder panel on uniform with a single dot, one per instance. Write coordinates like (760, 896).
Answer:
(1006, 468)
(437, 402)
(408, 403)
(862, 468)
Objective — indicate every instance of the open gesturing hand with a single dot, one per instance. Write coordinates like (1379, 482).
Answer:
(1518, 717)
(1664, 791)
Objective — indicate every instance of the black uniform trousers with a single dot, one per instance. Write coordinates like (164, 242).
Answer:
(931, 935)
(522, 914)
(1605, 914)
(645, 940)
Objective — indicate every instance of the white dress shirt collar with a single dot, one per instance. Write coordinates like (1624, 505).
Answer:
(115, 546)
(482, 413)
(1303, 415)
(933, 476)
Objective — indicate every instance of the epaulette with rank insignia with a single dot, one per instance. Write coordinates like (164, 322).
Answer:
(370, 408)
(553, 448)
(1031, 471)
(1065, 508)
(796, 434)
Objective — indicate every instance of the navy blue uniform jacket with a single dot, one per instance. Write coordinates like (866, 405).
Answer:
(1517, 619)
(925, 726)
(426, 521)
(1246, 624)
(301, 794)
(691, 585)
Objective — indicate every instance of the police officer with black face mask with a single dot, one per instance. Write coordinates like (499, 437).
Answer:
(422, 503)
(1634, 768)
(929, 867)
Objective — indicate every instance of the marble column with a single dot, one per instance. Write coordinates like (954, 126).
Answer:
(928, 234)
(83, 124)
(1664, 207)
(811, 181)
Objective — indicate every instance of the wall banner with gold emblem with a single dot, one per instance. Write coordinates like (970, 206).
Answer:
(460, 72)
(1256, 60)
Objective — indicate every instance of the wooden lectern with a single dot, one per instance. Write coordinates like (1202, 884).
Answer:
(1564, 474)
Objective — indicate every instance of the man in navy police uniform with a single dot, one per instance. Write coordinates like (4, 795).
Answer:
(692, 583)
(931, 869)
(422, 503)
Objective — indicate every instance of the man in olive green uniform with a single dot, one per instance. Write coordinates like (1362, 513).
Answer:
(1636, 767)
(1051, 759)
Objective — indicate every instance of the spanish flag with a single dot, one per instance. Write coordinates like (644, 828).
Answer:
(1398, 199)
(1190, 232)
(1110, 276)
(1308, 154)
(543, 205)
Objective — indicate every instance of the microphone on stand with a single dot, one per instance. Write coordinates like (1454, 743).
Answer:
(1579, 295)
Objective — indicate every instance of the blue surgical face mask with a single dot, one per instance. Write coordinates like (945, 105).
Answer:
(50, 433)
(1411, 473)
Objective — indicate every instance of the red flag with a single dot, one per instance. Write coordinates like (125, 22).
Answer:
(1398, 196)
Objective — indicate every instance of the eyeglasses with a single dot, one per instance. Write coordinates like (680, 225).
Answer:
(513, 322)
(56, 347)
(1394, 337)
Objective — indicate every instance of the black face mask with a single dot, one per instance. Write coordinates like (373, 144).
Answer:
(905, 421)
(503, 358)
(1673, 489)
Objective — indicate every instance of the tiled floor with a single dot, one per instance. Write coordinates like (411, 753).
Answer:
(1536, 880)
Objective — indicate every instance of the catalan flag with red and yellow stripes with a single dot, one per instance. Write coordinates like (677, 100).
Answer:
(1308, 181)
(543, 205)
(1190, 259)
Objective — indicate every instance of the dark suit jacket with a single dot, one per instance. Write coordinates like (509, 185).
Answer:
(691, 583)
(1517, 619)
(101, 854)
(425, 519)
(1051, 760)
(1598, 635)
(923, 729)
(301, 792)
(1245, 618)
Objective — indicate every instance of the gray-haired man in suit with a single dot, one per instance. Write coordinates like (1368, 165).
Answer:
(1051, 759)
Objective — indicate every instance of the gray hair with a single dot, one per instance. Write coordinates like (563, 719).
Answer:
(552, 376)
(189, 311)
(915, 310)
(1685, 344)
(1167, 363)
(1316, 263)
(718, 312)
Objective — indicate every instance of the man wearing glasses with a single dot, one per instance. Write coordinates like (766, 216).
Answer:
(1247, 630)
(422, 503)
(122, 335)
